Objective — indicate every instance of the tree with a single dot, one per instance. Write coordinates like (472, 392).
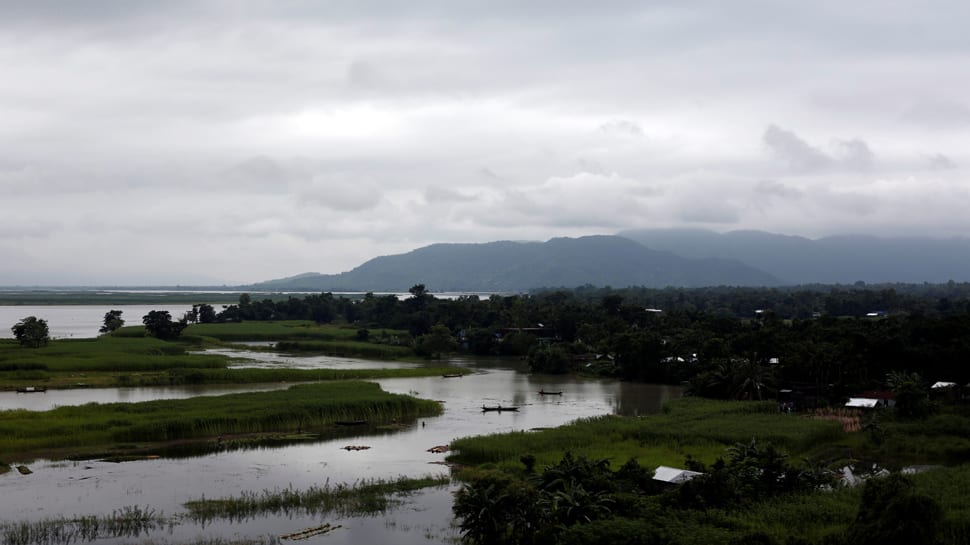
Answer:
(112, 321)
(159, 324)
(207, 314)
(31, 332)
(435, 342)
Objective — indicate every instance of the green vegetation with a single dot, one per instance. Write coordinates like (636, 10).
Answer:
(369, 497)
(768, 477)
(126, 359)
(130, 522)
(72, 431)
(31, 332)
(696, 427)
(289, 330)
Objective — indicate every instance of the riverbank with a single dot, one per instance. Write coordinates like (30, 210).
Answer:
(129, 358)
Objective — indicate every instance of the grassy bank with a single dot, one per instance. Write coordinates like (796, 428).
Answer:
(117, 427)
(519, 479)
(697, 427)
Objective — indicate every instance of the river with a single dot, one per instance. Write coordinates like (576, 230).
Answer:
(56, 489)
(78, 321)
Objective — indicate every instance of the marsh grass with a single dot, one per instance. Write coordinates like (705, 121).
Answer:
(112, 360)
(367, 497)
(74, 429)
(128, 522)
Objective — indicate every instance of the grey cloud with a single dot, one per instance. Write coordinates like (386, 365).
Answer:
(938, 114)
(259, 173)
(489, 173)
(938, 161)
(776, 189)
(339, 193)
(803, 158)
(443, 194)
(854, 154)
(723, 214)
(622, 126)
(798, 154)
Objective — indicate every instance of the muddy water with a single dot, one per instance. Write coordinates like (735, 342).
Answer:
(84, 488)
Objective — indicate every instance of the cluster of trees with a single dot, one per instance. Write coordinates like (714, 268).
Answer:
(583, 502)
(727, 342)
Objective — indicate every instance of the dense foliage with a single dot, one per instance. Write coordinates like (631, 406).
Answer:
(784, 486)
(744, 343)
(31, 332)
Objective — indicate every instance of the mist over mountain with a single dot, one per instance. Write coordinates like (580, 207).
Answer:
(835, 259)
(520, 266)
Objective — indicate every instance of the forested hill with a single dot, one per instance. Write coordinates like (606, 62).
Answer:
(831, 260)
(521, 266)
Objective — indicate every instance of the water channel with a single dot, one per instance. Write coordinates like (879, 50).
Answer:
(64, 489)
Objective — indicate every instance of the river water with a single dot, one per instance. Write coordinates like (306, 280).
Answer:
(57, 489)
(78, 321)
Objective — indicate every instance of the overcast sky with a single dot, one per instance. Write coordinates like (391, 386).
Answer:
(237, 141)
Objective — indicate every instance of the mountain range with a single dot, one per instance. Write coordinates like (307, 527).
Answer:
(843, 259)
(520, 266)
(650, 258)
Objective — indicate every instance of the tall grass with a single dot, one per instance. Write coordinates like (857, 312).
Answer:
(367, 497)
(128, 522)
(105, 353)
(74, 429)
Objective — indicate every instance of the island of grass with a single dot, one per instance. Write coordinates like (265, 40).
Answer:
(129, 358)
(764, 477)
(116, 430)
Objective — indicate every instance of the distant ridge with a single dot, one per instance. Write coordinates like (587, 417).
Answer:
(843, 259)
(521, 266)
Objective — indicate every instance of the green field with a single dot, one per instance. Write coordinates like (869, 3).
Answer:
(700, 428)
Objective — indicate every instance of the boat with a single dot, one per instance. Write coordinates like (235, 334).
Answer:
(545, 393)
(498, 408)
(454, 375)
(350, 422)
(31, 390)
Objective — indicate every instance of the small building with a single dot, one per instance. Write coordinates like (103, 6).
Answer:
(674, 475)
(872, 400)
(943, 385)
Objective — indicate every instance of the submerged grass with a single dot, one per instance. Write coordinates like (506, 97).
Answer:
(129, 522)
(367, 497)
(71, 430)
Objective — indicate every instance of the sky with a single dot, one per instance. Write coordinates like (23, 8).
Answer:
(235, 141)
